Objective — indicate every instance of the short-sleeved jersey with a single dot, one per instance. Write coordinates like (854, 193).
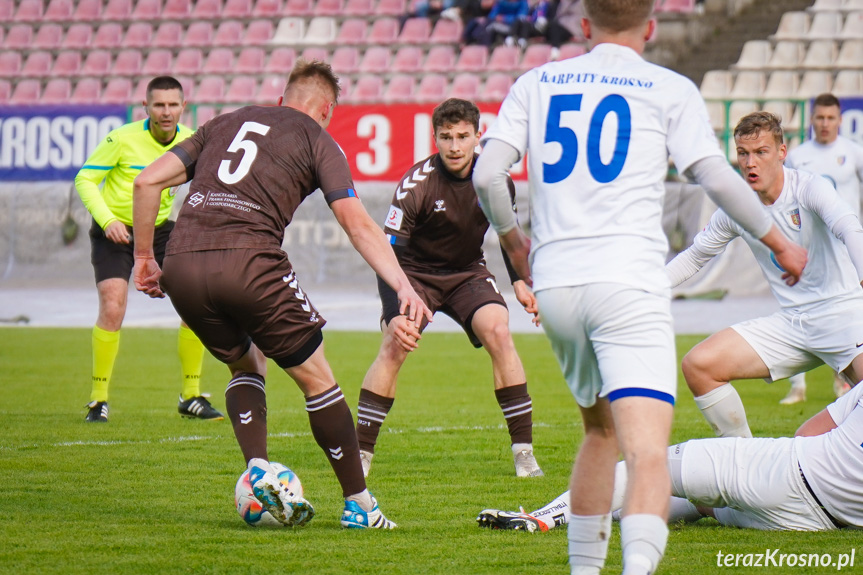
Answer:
(833, 462)
(805, 211)
(435, 216)
(118, 159)
(251, 169)
(840, 162)
(599, 129)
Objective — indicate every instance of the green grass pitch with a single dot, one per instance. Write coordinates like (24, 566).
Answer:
(153, 493)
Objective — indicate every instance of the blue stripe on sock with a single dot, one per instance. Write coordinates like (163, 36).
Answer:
(641, 392)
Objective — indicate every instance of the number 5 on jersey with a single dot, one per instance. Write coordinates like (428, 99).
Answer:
(250, 152)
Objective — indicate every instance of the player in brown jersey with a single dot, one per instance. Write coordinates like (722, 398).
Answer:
(436, 228)
(230, 281)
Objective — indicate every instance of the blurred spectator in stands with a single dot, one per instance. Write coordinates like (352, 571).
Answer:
(428, 9)
(565, 26)
(499, 23)
(534, 25)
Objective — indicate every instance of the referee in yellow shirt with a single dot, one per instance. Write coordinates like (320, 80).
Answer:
(117, 160)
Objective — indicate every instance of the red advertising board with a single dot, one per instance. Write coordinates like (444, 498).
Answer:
(382, 141)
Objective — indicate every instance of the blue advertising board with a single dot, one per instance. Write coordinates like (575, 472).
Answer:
(39, 143)
(852, 119)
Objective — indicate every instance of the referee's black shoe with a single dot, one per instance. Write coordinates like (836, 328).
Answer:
(97, 412)
(198, 408)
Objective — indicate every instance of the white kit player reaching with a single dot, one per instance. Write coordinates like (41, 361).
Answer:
(597, 130)
(803, 334)
(811, 482)
(840, 161)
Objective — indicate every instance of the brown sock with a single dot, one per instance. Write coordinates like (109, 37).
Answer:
(246, 403)
(517, 408)
(333, 428)
(371, 412)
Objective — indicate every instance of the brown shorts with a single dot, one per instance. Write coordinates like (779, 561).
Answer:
(457, 294)
(112, 260)
(231, 298)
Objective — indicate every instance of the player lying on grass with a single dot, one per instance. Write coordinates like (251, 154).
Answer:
(810, 482)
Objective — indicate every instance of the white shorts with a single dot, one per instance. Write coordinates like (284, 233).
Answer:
(611, 339)
(752, 482)
(795, 341)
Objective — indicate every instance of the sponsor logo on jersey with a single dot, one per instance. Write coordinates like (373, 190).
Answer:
(840, 160)
(439, 206)
(410, 182)
(794, 217)
(394, 218)
(195, 199)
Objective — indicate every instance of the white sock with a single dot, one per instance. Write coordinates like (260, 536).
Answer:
(554, 513)
(364, 498)
(684, 510)
(588, 543)
(723, 410)
(620, 478)
(519, 447)
(798, 381)
(643, 538)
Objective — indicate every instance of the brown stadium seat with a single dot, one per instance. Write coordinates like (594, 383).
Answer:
(258, 33)
(26, 92)
(345, 60)
(87, 91)
(78, 37)
(57, 91)
(251, 61)
(400, 89)
(158, 62)
(66, 64)
(376, 60)
(48, 37)
(37, 65)
(415, 31)
(281, 61)
(146, 10)
(114, 10)
(240, 9)
(128, 63)
(409, 60)
(219, 61)
(473, 58)
(139, 35)
(118, 91)
(440, 59)
(189, 62)
(177, 10)
(199, 34)
(108, 35)
(384, 31)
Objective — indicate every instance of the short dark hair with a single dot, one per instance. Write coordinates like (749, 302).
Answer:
(318, 71)
(618, 15)
(453, 111)
(164, 83)
(827, 100)
(756, 122)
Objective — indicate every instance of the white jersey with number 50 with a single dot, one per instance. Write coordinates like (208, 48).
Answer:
(599, 129)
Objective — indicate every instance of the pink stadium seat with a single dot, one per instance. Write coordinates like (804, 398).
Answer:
(359, 8)
(237, 9)
(189, 62)
(139, 35)
(146, 10)
(496, 87)
(188, 84)
(202, 115)
(446, 32)
(384, 31)
(118, 91)
(139, 94)
(328, 8)
(10, 63)
(415, 31)
(281, 61)
(345, 60)
(465, 86)
(109, 35)
(345, 90)
(352, 31)
(29, 11)
(258, 33)
(177, 10)
(271, 90)
(98, 63)
(229, 33)
(26, 92)
(67, 63)
(57, 91)
(7, 10)
(409, 60)
(48, 37)
(376, 60)
(675, 6)
(313, 53)
(117, 10)
(19, 36)
(220, 61)
(168, 35)
(400, 89)
(473, 58)
(37, 65)
(368, 89)
(87, 11)
(432, 88)
(298, 8)
(267, 9)
(391, 8)
(59, 11)
(440, 59)
(78, 37)
(535, 55)
(5, 91)
(199, 34)
(250, 61)
(207, 9)
(2, 35)
(158, 62)
(87, 91)
(211, 89)
(504, 58)
(127, 63)
(242, 90)
(571, 50)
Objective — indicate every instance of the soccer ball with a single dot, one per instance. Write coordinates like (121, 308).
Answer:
(250, 508)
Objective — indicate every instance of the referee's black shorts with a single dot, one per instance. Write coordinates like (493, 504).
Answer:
(112, 260)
